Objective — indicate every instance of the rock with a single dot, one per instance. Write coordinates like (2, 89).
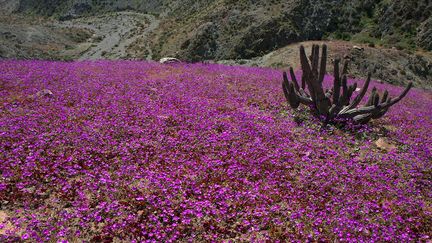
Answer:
(168, 60)
(358, 48)
(424, 35)
(383, 144)
(263, 37)
(203, 44)
(44, 93)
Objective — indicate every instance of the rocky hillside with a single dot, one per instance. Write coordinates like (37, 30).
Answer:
(228, 29)
(32, 37)
(388, 65)
(66, 9)
(222, 29)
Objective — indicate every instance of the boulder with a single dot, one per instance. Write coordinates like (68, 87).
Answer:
(358, 48)
(384, 144)
(168, 60)
(44, 93)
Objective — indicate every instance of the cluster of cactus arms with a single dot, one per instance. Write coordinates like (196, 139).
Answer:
(335, 103)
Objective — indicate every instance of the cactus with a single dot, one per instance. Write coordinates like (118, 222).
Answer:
(334, 103)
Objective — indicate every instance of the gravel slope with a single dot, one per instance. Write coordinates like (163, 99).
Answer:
(113, 33)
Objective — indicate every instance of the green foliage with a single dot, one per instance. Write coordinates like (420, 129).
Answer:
(366, 38)
(340, 36)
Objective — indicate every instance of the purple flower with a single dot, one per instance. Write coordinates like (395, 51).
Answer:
(139, 151)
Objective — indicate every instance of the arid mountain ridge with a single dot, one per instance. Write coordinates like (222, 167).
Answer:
(226, 29)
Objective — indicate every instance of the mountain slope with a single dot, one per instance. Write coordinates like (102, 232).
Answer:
(226, 29)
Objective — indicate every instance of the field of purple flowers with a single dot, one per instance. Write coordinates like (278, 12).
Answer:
(136, 151)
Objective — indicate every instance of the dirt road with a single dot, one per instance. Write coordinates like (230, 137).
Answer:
(113, 33)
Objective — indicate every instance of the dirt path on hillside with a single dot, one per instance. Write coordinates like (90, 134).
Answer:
(113, 33)
(153, 23)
